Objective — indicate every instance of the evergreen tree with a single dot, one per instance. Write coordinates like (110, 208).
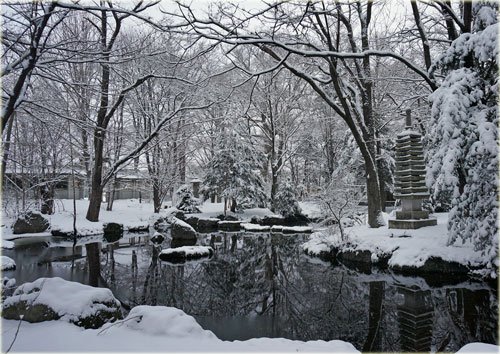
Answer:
(186, 201)
(233, 173)
(463, 154)
(285, 201)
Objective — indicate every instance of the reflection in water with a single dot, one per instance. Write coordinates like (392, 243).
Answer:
(262, 285)
(415, 319)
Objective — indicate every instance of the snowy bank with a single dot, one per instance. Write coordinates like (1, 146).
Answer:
(134, 216)
(423, 249)
(148, 329)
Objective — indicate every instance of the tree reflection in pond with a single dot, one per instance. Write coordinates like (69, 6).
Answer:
(262, 284)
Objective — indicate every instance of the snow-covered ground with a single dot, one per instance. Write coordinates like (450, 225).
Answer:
(210, 210)
(478, 348)
(160, 329)
(128, 212)
(406, 247)
(147, 329)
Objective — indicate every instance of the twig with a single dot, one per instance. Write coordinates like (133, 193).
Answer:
(119, 322)
(17, 332)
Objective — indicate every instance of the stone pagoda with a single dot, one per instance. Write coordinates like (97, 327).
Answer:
(410, 180)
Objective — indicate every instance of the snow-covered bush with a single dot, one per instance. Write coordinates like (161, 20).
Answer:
(185, 200)
(285, 200)
(339, 200)
(463, 153)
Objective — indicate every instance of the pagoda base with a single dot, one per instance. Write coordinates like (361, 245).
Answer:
(411, 224)
(412, 215)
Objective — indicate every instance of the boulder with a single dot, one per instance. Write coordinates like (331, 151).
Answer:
(175, 243)
(193, 221)
(163, 322)
(138, 228)
(296, 220)
(272, 220)
(433, 265)
(207, 225)
(355, 256)
(181, 230)
(182, 254)
(157, 238)
(48, 299)
(255, 227)
(230, 225)
(160, 224)
(179, 214)
(30, 223)
(296, 229)
(7, 263)
(228, 217)
(112, 231)
(58, 232)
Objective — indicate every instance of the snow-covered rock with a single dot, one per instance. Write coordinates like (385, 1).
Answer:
(181, 230)
(7, 244)
(8, 282)
(255, 227)
(157, 238)
(180, 254)
(29, 223)
(292, 229)
(7, 263)
(230, 225)
(48, 299)
(165, 321)
(479, 348)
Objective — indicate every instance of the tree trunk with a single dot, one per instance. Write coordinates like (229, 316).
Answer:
(372, 342)
(233, 205)
(373, 196)
(94, 262)
(156, 198)
(274, 187)
(6, 147)
(96, 188)
(47, 194)
(111, 197)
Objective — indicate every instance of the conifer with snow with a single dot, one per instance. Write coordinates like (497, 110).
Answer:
(233, 173)
(185, 200)
(285, 201)
(463, 153)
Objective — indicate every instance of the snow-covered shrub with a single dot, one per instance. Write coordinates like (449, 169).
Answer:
(285, 200)
(463, 153)
(186, 201)
(339, 200)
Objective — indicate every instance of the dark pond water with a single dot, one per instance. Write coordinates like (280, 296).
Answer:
(262, 285)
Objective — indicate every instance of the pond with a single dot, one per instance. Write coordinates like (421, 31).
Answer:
(262, 285)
